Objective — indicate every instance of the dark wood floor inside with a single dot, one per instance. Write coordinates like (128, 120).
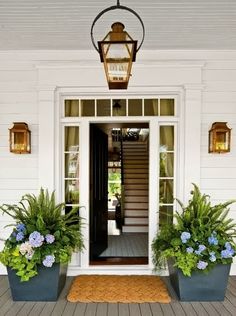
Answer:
(64, 308)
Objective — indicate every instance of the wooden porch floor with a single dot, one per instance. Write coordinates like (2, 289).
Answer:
(62, 307)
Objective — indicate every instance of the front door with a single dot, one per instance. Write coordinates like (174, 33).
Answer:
(98, 191)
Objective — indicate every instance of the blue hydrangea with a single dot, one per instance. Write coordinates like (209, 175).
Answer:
(48, 261)
(228, 245)
(212, 240)
(20, 236)
(21, 228)
(185, 236)
(36, 239)
(201, 248)
(212, 258)
(49, 238)
(227, 253)
(189, 250)
(201, 265)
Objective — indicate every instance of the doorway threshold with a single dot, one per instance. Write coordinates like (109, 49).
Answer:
(119, 261)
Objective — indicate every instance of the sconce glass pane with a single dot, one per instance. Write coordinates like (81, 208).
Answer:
(166, 191)
(103, 108)
(151, 107)
(72, 165)
(19, 141)
(72, 138)
(87, 107)
(167, 107)
(165, 214)
(166, 138)
(72, 108)
(121, 110)
(166, 164)
(72, 191)
(134, 107)
(221, 141)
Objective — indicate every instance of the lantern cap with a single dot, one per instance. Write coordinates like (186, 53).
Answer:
(19, 126)
(220, 124)
(117, 27)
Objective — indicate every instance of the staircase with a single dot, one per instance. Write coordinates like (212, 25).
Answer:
(135, 168)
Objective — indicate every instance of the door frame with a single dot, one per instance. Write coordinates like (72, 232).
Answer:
(153, 199)
(80, 261)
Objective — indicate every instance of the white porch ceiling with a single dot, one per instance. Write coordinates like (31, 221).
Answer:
(169, 24)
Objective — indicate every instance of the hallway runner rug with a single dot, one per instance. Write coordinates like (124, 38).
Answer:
(118, 289)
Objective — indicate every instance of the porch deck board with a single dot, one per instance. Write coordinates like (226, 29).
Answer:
(64, 308)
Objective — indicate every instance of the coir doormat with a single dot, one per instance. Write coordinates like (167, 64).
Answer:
(118, 288)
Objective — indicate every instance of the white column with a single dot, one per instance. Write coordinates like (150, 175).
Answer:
(192, 138)
(46, 103)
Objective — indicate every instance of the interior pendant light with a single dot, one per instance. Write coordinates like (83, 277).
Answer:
(117, 50)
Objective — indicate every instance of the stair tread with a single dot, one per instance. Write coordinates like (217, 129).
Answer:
(135, 216)
(136, 225)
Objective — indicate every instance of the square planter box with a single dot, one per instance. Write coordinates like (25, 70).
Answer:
(200, 286)
(46, 286)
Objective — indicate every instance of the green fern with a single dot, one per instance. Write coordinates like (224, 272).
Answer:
(42, 214)
(200, 219)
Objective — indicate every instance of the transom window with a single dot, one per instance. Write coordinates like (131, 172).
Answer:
(119, 107)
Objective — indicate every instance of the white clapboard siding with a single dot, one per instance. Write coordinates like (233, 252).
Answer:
(217, 108)
(220, 75)
(18, 108)
(218, 171)
(23, 117)
(18, 103)
(219, 183)
(15, 184)
(18, 76)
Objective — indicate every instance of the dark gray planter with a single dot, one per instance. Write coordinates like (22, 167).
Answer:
(200, 286)
(46, 286)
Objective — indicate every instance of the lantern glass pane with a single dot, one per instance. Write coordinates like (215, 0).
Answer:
(118, 51)
(117, 71)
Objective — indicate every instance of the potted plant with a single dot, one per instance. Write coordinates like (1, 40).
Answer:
(40, 246)
(198, 247)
